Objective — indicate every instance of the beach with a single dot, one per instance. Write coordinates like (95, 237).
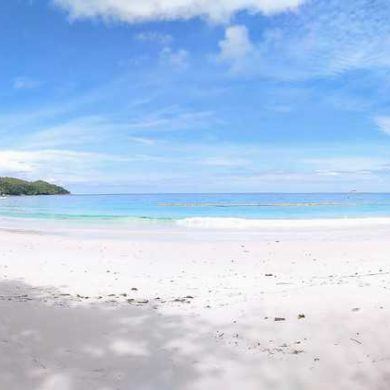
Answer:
(298, 307)
(195, 195)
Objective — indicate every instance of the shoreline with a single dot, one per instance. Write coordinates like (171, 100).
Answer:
(195, 224)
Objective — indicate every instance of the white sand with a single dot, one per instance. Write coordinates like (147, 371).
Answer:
(223, 335)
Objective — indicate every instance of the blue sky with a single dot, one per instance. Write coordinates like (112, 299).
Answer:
(196, 95)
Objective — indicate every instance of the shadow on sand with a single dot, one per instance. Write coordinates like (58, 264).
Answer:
(46, 346)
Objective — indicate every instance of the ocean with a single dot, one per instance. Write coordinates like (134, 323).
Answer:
(197, 209)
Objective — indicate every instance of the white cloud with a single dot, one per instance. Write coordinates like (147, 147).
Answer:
(236, 46)
(132, 11)
(178, 59)
(33, 162)
(11, 161)
(383, 122)
(53, 164)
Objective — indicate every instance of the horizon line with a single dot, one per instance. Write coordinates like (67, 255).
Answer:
(231, 193)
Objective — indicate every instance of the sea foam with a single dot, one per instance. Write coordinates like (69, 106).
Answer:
(244, 223)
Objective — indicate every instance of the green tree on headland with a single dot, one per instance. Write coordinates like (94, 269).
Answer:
(12, 186)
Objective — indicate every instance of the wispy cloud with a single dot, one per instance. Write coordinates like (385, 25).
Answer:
(383, 122)
(25, 83)
(173, 118)
(341, 166)
(325, 38)
(152, 10)
(154, 37)
(80, 131)
(71, 167)
(59, 126)
(35, 116)
(178, 59)
(143, 140)
(51, 163)
(225, 162)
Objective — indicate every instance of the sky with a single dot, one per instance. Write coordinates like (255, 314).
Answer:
(114, 96)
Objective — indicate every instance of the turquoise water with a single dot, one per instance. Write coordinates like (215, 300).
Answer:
(171, 207)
